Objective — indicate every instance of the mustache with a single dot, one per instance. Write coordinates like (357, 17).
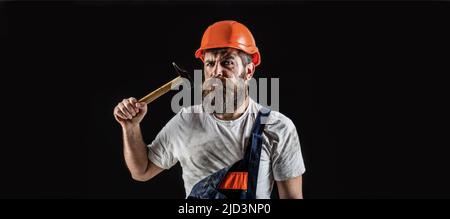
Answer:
(218, 93)
(211, 84)
(224, 85)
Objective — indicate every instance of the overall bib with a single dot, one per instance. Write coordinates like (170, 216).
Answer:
(239, 180)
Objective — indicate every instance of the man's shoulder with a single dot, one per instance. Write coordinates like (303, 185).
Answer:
(276, 119)
(279, 127)
(279, 121)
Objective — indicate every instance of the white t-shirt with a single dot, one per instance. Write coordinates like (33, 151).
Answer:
(204, 144)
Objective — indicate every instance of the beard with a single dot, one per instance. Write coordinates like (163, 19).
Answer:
(223, 95)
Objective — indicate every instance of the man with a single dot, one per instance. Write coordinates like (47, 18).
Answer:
(235, 148)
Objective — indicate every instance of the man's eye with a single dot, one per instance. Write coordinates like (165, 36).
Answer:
(209, 64)
(227, 62)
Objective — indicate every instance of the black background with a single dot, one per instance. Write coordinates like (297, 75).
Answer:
(363, 82)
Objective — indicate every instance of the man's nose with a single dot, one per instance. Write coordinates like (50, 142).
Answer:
(218, 71)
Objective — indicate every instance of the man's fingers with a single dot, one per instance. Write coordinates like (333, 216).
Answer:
(120, 114)
(141, 105)
(132, 100)
(125, 111)
(127, 103)
(129, 108)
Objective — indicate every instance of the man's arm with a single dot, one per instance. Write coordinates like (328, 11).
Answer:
(135, 152)
(129, 113)
(291, 188)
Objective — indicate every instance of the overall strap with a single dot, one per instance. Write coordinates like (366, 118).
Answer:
(253, 153)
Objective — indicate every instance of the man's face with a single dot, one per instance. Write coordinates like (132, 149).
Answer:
(225, 71)
(226, 64)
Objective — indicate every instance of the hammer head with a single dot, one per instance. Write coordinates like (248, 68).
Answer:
(181, 72)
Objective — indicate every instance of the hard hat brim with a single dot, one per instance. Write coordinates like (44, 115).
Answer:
(251, 50)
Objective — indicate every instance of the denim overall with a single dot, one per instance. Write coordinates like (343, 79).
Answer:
(239, 180)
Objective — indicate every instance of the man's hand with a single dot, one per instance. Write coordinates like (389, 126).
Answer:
(129, 112)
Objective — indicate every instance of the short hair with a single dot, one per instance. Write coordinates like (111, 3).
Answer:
(245, 57)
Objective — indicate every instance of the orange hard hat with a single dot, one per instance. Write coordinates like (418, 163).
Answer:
(230, 34)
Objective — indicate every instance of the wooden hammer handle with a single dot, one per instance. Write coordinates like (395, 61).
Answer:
(161, 90)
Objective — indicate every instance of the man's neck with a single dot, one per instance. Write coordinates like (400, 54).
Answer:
(232, 116)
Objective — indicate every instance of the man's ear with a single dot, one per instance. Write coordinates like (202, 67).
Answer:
(249, 70)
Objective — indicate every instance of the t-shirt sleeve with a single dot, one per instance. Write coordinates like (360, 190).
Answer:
(161, 150)
(287, 159)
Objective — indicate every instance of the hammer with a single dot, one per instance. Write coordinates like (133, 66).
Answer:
(166, 87)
